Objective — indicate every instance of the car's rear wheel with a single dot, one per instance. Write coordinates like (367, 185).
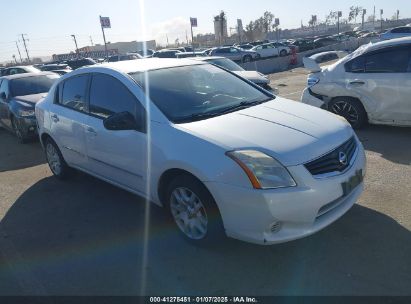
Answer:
(351, 109)
(247, 58)
(283, 53)
(17, 131)
(194, 210)
(55, 160)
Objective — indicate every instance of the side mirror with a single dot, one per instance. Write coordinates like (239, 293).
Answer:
(121, 122)
(3, 96)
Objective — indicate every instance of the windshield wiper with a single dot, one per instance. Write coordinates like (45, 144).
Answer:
(237, 107)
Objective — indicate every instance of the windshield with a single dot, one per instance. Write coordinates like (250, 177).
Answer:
(227, 64)
(32, 85)
(198, 92)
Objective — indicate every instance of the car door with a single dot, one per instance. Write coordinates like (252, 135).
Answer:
(4, 104)
(272, 50)
(68, 115)
(383, 77)
(235, 54)
(116, 155)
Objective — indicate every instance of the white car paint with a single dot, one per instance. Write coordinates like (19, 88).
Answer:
(290, 132)
(269, 50)
(384, 96)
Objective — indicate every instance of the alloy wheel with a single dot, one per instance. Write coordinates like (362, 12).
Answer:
(53, 159)
(189, 213)
(346, 110)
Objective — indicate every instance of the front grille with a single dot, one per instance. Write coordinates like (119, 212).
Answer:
(335, 161)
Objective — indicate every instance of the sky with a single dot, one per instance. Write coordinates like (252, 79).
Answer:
(49, 24)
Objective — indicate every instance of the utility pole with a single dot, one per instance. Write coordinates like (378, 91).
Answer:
(14, 57)
(75, 42)
(167, 39)
(398, 14)
(186, 37)
(25, 46)
(373, 19)
(381, 13)
(339, 15)
(91, 41)
(18, 49)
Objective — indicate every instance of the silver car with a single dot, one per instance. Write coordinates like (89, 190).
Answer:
(235, 54)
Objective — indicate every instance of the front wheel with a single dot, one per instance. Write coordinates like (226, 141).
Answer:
(55, 160)
(17, 131)
(351, 109)
(194, 210)
(283, 53)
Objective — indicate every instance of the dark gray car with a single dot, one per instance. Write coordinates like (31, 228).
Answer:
(18, 96)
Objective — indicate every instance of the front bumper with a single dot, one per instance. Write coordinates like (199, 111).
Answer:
(310, 99)
(274, 216)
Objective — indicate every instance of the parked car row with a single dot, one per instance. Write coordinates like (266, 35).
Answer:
(371, 85)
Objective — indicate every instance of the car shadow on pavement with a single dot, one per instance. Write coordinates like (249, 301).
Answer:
(15, 156)
(85, 237)
(393, 143)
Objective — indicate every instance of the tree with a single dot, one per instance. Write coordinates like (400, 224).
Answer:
(331, 18)
(267, 21)
(354, 12)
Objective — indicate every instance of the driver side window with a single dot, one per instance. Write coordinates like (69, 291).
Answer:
(4, 88)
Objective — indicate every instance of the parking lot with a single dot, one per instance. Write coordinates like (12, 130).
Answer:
(86, 237)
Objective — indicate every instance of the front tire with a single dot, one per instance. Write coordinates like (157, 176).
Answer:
(18, 132)
(351, 109)
(194, 210)
(55, 160)
(283, 53)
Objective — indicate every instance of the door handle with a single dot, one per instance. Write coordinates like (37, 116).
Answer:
(91, 131)
(357, 82)
(55, 118)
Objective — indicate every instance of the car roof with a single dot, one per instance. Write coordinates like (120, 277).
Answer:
(145, 64)
(25, 75)
(385, 43)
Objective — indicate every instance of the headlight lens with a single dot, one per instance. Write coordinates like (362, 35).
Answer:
(26, 112)
(263, 171)
(312, 81)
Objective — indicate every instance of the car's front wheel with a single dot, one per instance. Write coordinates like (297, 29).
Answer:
(194, 210)
(55, 160)
(18, 131)
(283, 53)
(351, 109)
(247, 58)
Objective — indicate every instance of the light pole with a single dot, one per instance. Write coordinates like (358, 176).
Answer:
(15, 60)
(364, 11)
(381, 13)
(339, 15)
(75, 42)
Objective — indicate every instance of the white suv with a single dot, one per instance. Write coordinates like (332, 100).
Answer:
(373, 84)
(220, 153)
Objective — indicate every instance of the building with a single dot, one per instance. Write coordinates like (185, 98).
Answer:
(220, 28)
(98, 50)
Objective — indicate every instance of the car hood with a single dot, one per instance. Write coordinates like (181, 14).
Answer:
(30, 100)
(289, 131)
(253, 76)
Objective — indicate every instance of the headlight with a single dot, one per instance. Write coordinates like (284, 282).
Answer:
(312, 81)
(26, 112)
(263, 171)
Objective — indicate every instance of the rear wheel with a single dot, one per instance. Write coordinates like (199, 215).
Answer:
(351, 109)
(247, 58)
(55, 160)
(194, 210)
(283, 53)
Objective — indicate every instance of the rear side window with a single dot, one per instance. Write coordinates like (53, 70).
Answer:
(109, 96)
(401, 30)
(391, 61)
(74, 93)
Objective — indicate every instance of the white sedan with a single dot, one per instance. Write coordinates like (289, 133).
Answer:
(271, 50)
(373, 84)
(220, 153)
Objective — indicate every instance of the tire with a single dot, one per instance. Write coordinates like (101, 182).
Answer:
(247, 58)
(194, 211)
(17, 131)
(283, 53)
(55, 160)
(351, 109)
